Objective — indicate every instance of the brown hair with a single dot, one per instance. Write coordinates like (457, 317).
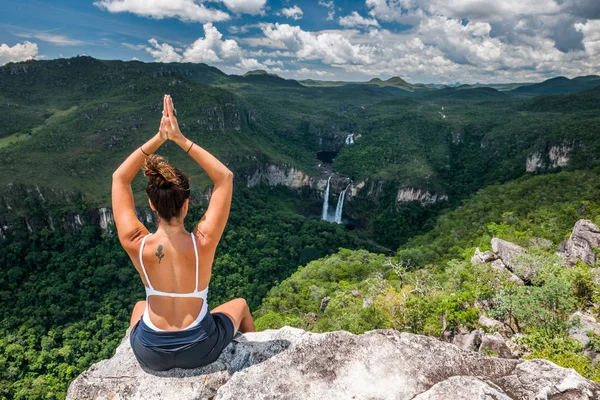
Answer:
(167, 188)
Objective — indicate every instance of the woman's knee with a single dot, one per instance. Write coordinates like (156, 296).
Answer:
(243, 304)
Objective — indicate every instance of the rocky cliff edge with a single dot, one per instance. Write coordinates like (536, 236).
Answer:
(290, 363)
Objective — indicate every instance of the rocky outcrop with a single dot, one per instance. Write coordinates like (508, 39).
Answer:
(424, 197)
(582, 242)
(273, 175)
(557, 156)
(534, 162)
(495, 261)
(290, 363)
(587, 323)
(486, 343)
(508, 252)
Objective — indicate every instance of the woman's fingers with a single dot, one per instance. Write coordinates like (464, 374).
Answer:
(171, 113)
(164, 112)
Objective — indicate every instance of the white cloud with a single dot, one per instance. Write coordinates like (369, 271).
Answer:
(211, 48)
(58, 40)
(330, 7)
(293, 12)
(185, 10)
(591, 35)
(252, 64)
(306, 72)
(439, 49)
(18, 52)
(252, 7)
(491, 10)
(134, 46)
(355, 19)
(164, 52)
(331, 48)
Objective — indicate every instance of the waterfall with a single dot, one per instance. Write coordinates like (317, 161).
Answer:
(326, 202)
(340, 206)
(350, 139)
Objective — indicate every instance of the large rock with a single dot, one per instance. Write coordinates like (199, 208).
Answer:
(293, 364)
(507, 252)
(587, 323)
(582, 242)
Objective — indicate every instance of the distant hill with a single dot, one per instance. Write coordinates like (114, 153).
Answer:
(559, 85)
(466, 92)
(584, 101)
(395, 82)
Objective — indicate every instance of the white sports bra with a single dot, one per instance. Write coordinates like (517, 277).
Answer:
(150, 291)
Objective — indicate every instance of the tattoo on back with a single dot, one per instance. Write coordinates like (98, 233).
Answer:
(159, 253)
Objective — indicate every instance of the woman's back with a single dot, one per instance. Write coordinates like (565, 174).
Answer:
(170, 266)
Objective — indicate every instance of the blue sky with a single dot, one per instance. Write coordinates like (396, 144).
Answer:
(439, 41)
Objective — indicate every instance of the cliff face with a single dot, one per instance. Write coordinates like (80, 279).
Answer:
(290, 363)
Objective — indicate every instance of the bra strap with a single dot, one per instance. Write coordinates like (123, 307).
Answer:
(195, 252)
(142, 262)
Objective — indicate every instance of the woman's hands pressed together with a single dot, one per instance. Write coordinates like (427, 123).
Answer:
(169, 127)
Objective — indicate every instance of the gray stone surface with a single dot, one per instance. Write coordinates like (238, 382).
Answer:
(292, 364)
(584, 238)
(498, 265)
(587, 323)
(507, 251)
(495, 344)
(483, 257)
(470, 388)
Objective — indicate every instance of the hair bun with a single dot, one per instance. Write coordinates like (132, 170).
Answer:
(160, 173)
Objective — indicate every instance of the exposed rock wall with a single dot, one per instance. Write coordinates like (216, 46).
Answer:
(293, 364)
(557, 156)
(425, 197)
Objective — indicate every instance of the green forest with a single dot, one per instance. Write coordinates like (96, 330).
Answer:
(519, 163)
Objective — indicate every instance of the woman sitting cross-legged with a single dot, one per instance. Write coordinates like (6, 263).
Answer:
(173, 327)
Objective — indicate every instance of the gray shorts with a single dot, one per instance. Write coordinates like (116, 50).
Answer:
(190, 348)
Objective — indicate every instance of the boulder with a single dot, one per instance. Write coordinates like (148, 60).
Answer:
(582, 242)
(495, 344)
(587, 323)
(290, 363)
(491, 325)
(507, 252)
(468, 340)
(483, 257)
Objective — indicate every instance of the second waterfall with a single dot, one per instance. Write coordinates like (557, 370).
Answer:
(337, 216)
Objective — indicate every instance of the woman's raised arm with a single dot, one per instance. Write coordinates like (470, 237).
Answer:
(129, 228)
(210, 228)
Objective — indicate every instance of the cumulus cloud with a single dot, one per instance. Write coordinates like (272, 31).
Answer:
(440, 49)
(252, 7)
(58, 40)
(184, 10)
(211, 48)
(330, 8)
(330, 47)
(164, 52)
(355, 19)
(591, 35)
(306, 72)
(293, 12)
(19, 52)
